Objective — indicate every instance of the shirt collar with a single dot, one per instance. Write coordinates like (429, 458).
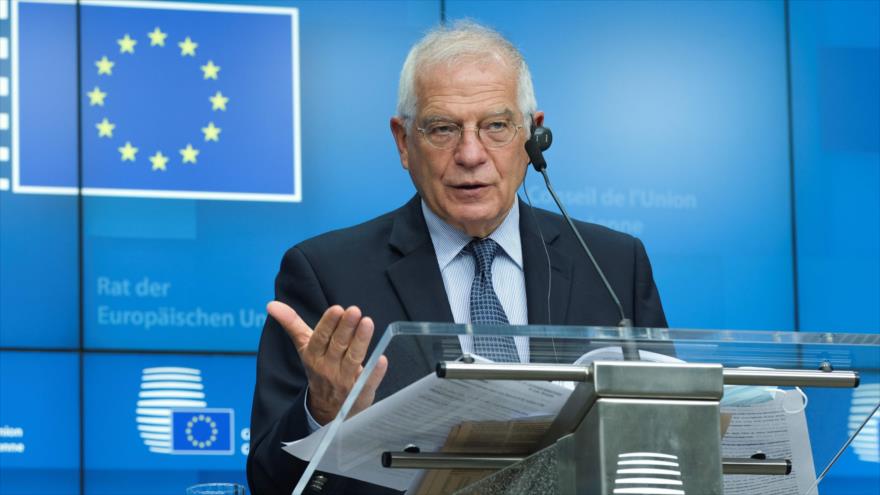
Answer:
(449, 241)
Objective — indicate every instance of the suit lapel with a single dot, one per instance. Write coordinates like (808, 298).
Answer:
(415, 276)
(533, 225)
(535, 268)
(418, 285)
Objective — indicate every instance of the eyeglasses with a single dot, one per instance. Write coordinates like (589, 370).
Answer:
(492, 133)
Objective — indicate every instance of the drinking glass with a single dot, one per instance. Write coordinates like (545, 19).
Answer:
(216, 489)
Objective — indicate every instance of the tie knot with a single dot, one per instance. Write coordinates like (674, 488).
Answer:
(484, 253)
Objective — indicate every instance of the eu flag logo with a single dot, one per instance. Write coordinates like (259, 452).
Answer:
(177, 100)
(202, 431)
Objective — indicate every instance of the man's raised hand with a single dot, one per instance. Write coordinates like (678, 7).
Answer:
(332, 355)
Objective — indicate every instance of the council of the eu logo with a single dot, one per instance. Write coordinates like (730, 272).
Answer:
(173, 418)
(178, 100)
(202, 431)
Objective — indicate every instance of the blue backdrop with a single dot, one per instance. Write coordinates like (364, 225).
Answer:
(148, 192)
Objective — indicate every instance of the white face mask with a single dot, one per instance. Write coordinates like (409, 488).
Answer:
(793, 401)
(746, 395)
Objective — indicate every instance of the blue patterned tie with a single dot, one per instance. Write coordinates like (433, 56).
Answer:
(485, 307)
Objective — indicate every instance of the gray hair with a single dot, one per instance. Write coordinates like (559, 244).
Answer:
(465, 39)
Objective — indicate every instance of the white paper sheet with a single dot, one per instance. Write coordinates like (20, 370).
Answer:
(779, 435)
(422, 414)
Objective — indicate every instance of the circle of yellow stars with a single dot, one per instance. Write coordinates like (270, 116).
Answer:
(201, 418)
(210, 71)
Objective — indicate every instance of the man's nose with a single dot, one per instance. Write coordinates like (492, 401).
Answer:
(470, 151)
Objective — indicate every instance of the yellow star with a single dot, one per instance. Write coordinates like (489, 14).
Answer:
(96, 97)
(128, 151)
(126, 44)
(218, 101)
(212, 133)
(189, 154)
(187, 47)
(105, 66)
(105, 128)
(159, 160)
(210, 70)
(157, 37)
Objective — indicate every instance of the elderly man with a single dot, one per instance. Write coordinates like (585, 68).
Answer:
(464, 243)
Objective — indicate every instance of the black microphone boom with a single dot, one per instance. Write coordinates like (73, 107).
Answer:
(624, 321)
(539, 141)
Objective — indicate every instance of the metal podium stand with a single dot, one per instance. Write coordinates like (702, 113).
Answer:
(625, 420)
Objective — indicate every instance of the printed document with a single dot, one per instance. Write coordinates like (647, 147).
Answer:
(423, 414)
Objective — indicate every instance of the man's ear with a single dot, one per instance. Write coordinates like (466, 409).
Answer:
(538, 118)
(398, 130)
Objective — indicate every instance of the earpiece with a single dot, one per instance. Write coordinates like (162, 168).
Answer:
(539, 141)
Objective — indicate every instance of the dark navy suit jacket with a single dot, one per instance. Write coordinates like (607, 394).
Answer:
(388, 268)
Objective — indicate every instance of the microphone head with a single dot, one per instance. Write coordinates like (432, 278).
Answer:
(543, 136)
(539, 141)
(533, 149)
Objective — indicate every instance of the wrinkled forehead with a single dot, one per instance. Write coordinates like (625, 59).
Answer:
(464, 75)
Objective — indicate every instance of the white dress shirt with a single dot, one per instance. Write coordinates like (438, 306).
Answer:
(457, 269)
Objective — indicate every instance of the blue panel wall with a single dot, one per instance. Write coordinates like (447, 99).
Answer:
(39, 423)
(835, 67)
(39, 235)
(835, 93)
(671, 122)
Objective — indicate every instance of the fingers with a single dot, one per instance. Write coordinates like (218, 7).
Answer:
(368, 393)
(324, 330)
(377, 375)
(297, 329)
(357, 349)
(341, 337)
(333, 337)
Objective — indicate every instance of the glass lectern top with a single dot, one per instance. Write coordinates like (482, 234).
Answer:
(731, 348)
(414, 350)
